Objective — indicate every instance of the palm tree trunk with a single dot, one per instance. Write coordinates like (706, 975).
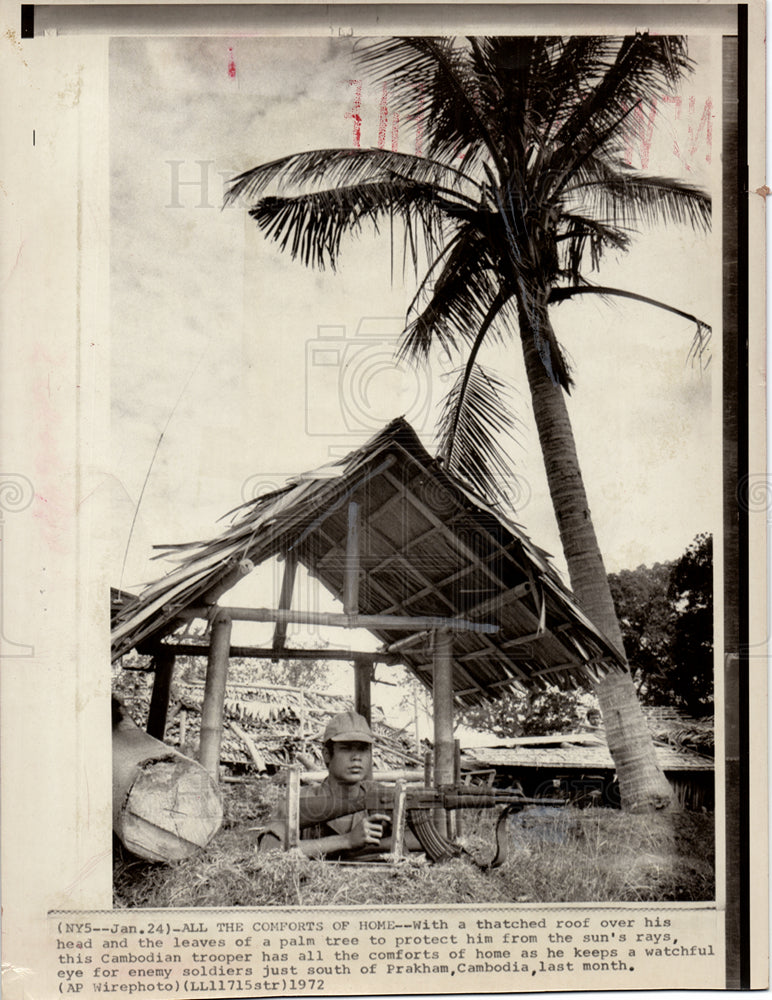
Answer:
(641, 782)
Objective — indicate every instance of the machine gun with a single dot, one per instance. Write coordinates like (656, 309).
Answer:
(416, 805)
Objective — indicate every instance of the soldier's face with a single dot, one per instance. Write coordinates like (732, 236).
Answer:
(350, 762)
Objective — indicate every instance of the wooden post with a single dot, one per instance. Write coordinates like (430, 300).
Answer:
(159, 699)
(442, 691)
(292, 828)
(428, 769)
(214, 694)
(363, 675)
(351, 578)
(285, 602)
(454, 819)
(398, 819)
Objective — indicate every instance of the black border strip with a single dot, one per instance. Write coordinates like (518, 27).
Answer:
(27, 20)
(743, 791)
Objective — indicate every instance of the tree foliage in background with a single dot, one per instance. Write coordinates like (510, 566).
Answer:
(518, 713)
(691, 590)
(666, 615)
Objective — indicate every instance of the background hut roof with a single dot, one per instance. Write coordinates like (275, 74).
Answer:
(283, 723)
(575, 756)
(429, 547)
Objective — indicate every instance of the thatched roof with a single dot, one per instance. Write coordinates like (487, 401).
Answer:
(429, 548)
(574, 756)
(265, 726)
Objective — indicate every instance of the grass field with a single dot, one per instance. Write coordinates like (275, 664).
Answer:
(557, 855)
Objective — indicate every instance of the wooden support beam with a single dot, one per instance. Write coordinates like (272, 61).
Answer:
(407, 623)
(428, 762)
(499, 600)
(363, 675)
(443, 714)
(236, 570)
(336, 550)
(264, 653)
(292, 827)
(163, 661)
(454, 818)
(285, 601)
(558, 667)
(408, 641)
(214, 695)
(351, 577)
(507, 682)
(493, 654)
(419, 594)
(398, 820)
(411, 776)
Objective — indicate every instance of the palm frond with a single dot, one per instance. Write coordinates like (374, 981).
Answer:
(704, 329)
(492, 314)
(636, 69)
(624, 197)
(461, 297)
(582, 233)
(699, 352)
(326, 168)
(432, 79)
(311, 226)
(471, 446)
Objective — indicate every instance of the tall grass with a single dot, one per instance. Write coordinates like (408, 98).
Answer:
(556, 855)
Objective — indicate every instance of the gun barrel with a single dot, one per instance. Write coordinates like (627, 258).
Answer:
(324, 805)
(465, 800)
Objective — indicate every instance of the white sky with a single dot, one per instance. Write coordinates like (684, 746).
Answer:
(214, 330)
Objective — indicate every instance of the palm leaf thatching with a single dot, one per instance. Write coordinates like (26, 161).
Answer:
(429, 547)
(282, 724)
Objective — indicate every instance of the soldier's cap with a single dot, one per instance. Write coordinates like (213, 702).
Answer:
(349, 726)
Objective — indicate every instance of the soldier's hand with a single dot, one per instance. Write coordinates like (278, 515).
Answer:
(368, 830)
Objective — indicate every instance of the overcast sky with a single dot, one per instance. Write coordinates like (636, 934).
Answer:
(216, 335)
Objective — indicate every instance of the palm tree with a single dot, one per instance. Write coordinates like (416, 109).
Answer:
(520, 187)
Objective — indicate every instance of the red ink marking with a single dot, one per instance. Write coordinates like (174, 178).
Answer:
(357, 118)
(395, 133)
(384, 117)
(706, 122)
(231, 63)
(676, 101)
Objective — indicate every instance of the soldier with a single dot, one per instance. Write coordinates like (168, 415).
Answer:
(347, 754)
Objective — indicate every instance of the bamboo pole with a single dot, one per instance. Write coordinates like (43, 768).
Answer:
(351, 580)
(256, 757)
(454, 818)
(266, 653)
(338, 620)
(292, 828)
(443, 714)
(398, 820)
(214, 694)
(237, 570)
(363, 675)
(159, 699)
(285, 603)
(411, 776)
